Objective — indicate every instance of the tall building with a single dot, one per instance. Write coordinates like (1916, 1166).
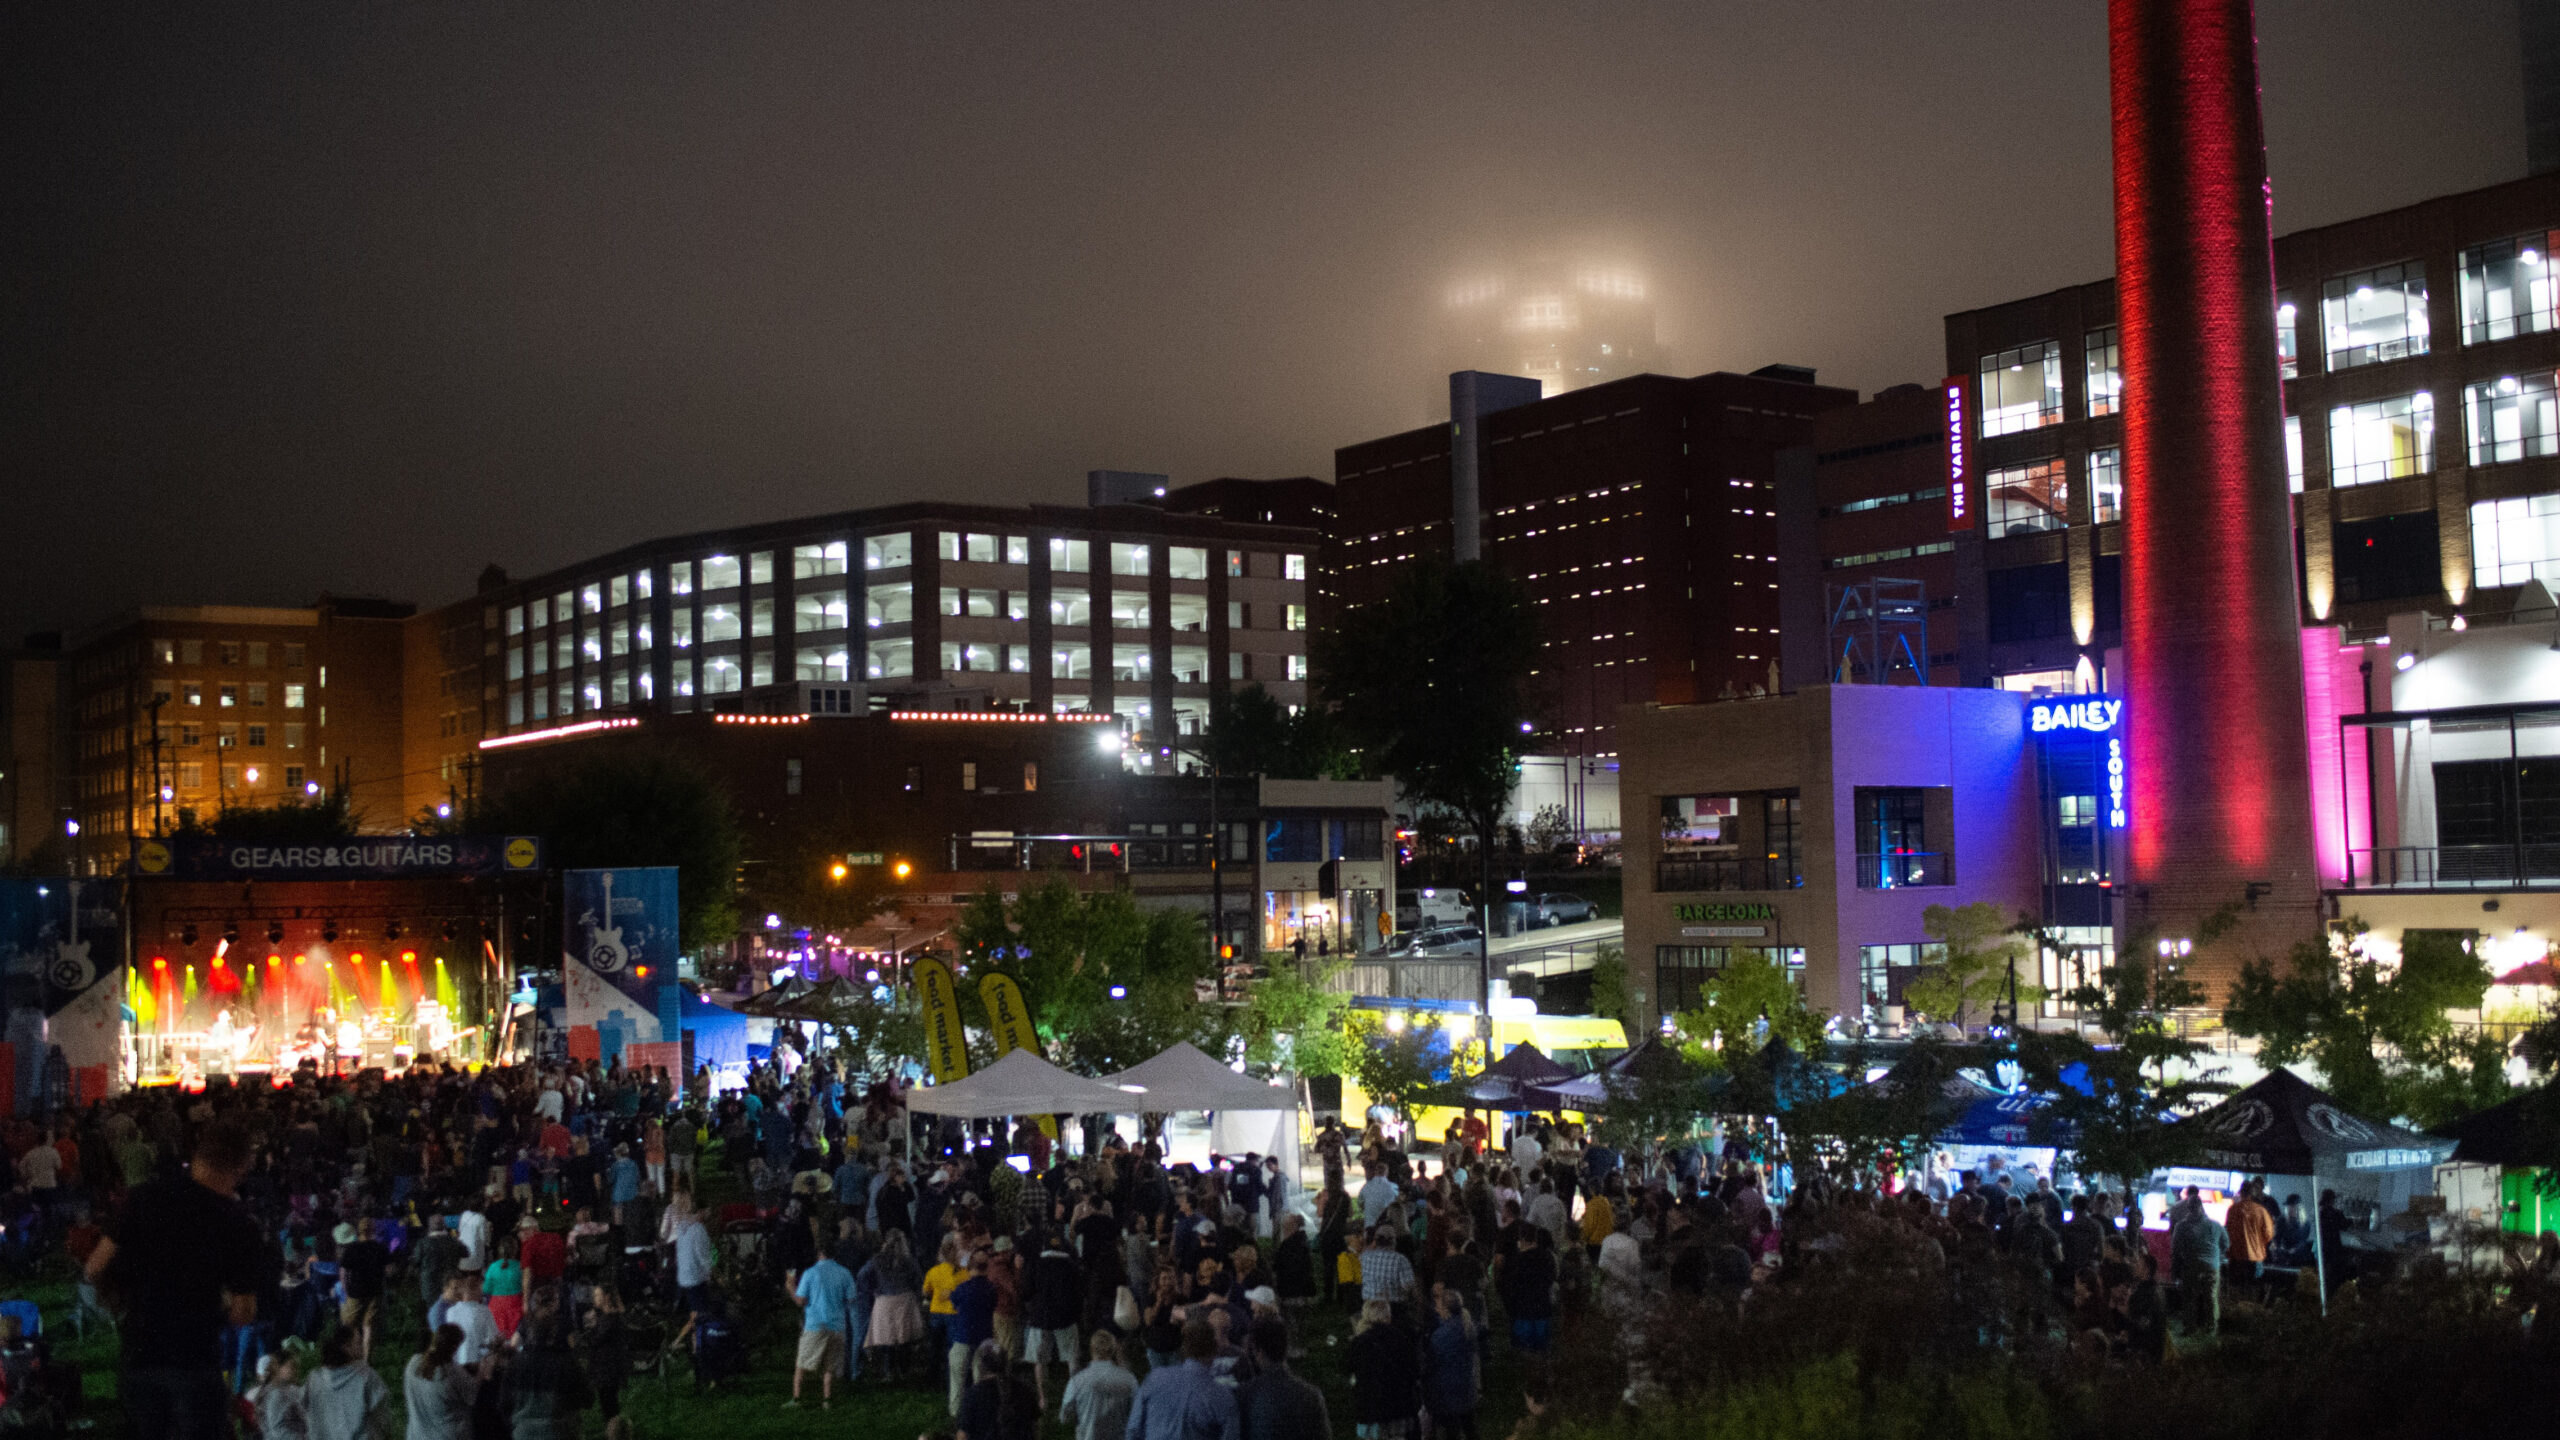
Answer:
(1565, 323)
(1641, 516)
(33, 800)
(176, 709)
(1120, 609)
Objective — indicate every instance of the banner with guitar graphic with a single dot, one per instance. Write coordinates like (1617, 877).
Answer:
(61, 946)
(619, 949)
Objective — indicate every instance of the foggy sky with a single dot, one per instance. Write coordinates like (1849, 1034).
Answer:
(360, 297)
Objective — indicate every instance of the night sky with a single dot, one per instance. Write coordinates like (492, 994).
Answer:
(360, 297)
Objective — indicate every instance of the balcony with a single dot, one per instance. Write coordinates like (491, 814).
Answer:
(2455, 867)
(1906, 869)
(1726, 872)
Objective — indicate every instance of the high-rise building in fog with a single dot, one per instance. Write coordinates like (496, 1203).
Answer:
(1564, 323)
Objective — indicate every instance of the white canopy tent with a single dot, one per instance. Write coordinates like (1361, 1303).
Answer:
(1021, 1083)
(1247, 1115)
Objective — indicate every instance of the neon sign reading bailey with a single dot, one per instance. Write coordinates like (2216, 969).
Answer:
(2094, 716)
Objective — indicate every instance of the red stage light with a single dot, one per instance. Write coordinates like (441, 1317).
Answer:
(408, 957)
(159, 962)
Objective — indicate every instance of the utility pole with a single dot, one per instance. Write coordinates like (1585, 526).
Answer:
(157, 824)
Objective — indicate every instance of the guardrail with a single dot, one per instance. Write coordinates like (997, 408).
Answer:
(1903, 869)
(1726, 872)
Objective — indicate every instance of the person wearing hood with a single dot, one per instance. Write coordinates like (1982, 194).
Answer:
(439, 1389)
(345, 1400)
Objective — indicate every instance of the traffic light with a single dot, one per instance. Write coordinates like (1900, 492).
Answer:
(1227, 952)
(1329, 880)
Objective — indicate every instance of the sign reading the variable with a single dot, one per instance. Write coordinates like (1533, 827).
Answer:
(1959, 459)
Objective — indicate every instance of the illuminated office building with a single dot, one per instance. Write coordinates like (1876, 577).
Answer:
(1565, 324)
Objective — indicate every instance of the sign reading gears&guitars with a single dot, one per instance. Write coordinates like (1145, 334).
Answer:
(1729, 920)
(387, 857)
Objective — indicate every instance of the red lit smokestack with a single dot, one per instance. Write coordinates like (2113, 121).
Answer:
(2220, 778)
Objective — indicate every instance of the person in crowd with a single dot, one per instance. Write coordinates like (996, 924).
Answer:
(824, 1293)
(1452, 1383)
(344, 1399)
(1098, 1397)
(182, 1259)
(999, 1404)
(897, 1315)
(1386, 1375)
(2197, 1250)
(972, 1323)
(1276, 1404)
(437, 1389)
(543, 1388)
(1052, 1302)
(1184, 1401)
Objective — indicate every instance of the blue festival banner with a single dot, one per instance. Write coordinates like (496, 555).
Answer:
(61, 964)
(620, 930)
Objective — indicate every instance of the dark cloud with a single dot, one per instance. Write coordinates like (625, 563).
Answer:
(359, 297)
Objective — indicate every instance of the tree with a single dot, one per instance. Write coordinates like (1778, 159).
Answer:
(633, 807)
(1981, 948)
(2378, 1031)
(1108, 984)
(1296, 1023)
(798, 869)
(1744, 1006)
(873, 1034)
(1430, 685)
(2118, 1107)
(1868, 1131)
(1399, 1067)
(1611, 999)
(292, 821)
(1250, 733)
(1656, 1099)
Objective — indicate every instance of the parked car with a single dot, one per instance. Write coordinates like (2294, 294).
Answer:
(1447, 940)
(1561, 910)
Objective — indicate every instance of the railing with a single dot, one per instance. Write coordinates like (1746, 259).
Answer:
(2454, 867)
(1904, 869)
(1727, 872)
(1431, 978)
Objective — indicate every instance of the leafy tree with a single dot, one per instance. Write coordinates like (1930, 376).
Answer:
(1611, 999)
(1868, 1131)
(1070, 950)
(872, 1035)
(2379, 1033)
(1655, 1100)
(1430, 685)
(1400, 1068)
(1295, 1023)
(1744, 1006)
(619, 807)
(1251, 733)
(314, 821)
(2122, 1120)
(1981, 949)
(797, 870)
(1551, 829)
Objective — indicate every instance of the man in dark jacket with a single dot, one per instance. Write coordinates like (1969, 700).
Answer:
(1275, 1404)
(1052, 1302)
(1528, 1285)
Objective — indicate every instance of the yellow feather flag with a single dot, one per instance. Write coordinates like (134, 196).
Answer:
(946, 1043)
(1011, 1021)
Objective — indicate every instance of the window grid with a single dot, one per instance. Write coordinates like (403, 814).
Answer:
(2374, 315)
(2382, 440)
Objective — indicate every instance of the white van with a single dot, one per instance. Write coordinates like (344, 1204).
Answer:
(1424, 909)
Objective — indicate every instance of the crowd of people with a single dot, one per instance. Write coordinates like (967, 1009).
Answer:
(554, 1231)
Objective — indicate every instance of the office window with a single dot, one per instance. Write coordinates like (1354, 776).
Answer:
(541, 613)
(190, 734)
(2105, 356)
(1017, 604)
(1190, 664)
(1129, 609)
(257, 735)
(643, 584)
(2293, 452)
(759, 619)
(1187, 612)
(985, 549)
(164, 652)
(1132, 662)
(760, 568)
(1071, 662)
(640, 638)
(985, 658)
(2390, 557)
(2514, 417)
(227, 697)
(2374, 315)
(1297, 667)
(2027, 498)
(680, 629)
(1187, 562)
(564, 609)
(618, 591)
(2106, 485)
(591, 645)
(191, 693)
(564, 654)
(648, 685)
(1070, 607)
(293, 652)
(2507, 288)
(719, 572)
(515, 709)
(888, 605)
(889, 659)
(810, 562)
(1128, 559)
(191, 774)
(888, 552)
(226, 737)
(949, 601)
(1235, 564)
(591, 600)
(759, 667)
(2382, 439)
(568, 699)
(256, 696)
(621, 686)
(619, 637)
(230, 652)
(2516, 540)
(947, 545)
(823, 663)
(721, 675)
(292, 736)
(292, 697)
(1295, 617)
(2288, 338)
(1017, 549)
(1293, 567)
(822, 609)
(984, 604)
(258, 654)
(2022, 388)
(1236, 615)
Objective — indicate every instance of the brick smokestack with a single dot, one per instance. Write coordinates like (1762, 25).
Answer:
(2220, 778)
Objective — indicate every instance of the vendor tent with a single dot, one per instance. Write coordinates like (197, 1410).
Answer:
(2519, 1134)
(2285, 1125)
(1505, 1084)
(826, 1004)
(764, 1004)
(1021, 1083)
(2007, 1120)
(1184, 1078)
(1590, 1090)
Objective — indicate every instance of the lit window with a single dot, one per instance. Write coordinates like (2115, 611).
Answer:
(1071, 556)
(719, 622)
(2027, 498)
(2288, 338)
(823, 609)
(1017, 549)
(541, 613)
(2106, 485)
(191, 693)
(824, 663)
(720, 572)
(293, 737)
(292, 697)
(1128, 559)
(621, 637)
(618, 590)
(2382, 439)
(2375, 315)
(1187, 562)
(680, 626)
(888, 552)
(1190, 664)
(808, 562)
(2516, 540)
(564, 651)
(2293, 452)
(721, 676)
(591, 600)
(1188, 612)
(983, 549)
(2106, 371)
(759, 669)
(643, 584)
(228, 697)
(759, 620)
(1297, 617)
(889, 605)
(2512, 418)
(2022, 388)
(984, 604)
(640, 636)
(1132, 662)
(1235, 564)
(1293, 567)
(1070, 607)
(621, 687)
(1297, 667)
(760, 568)
(1071, 662)
(2507, 288)
(1129, 609)
(680, 578)
(888, 659)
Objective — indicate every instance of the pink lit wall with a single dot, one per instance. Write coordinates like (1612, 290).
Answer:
(2333, 685)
